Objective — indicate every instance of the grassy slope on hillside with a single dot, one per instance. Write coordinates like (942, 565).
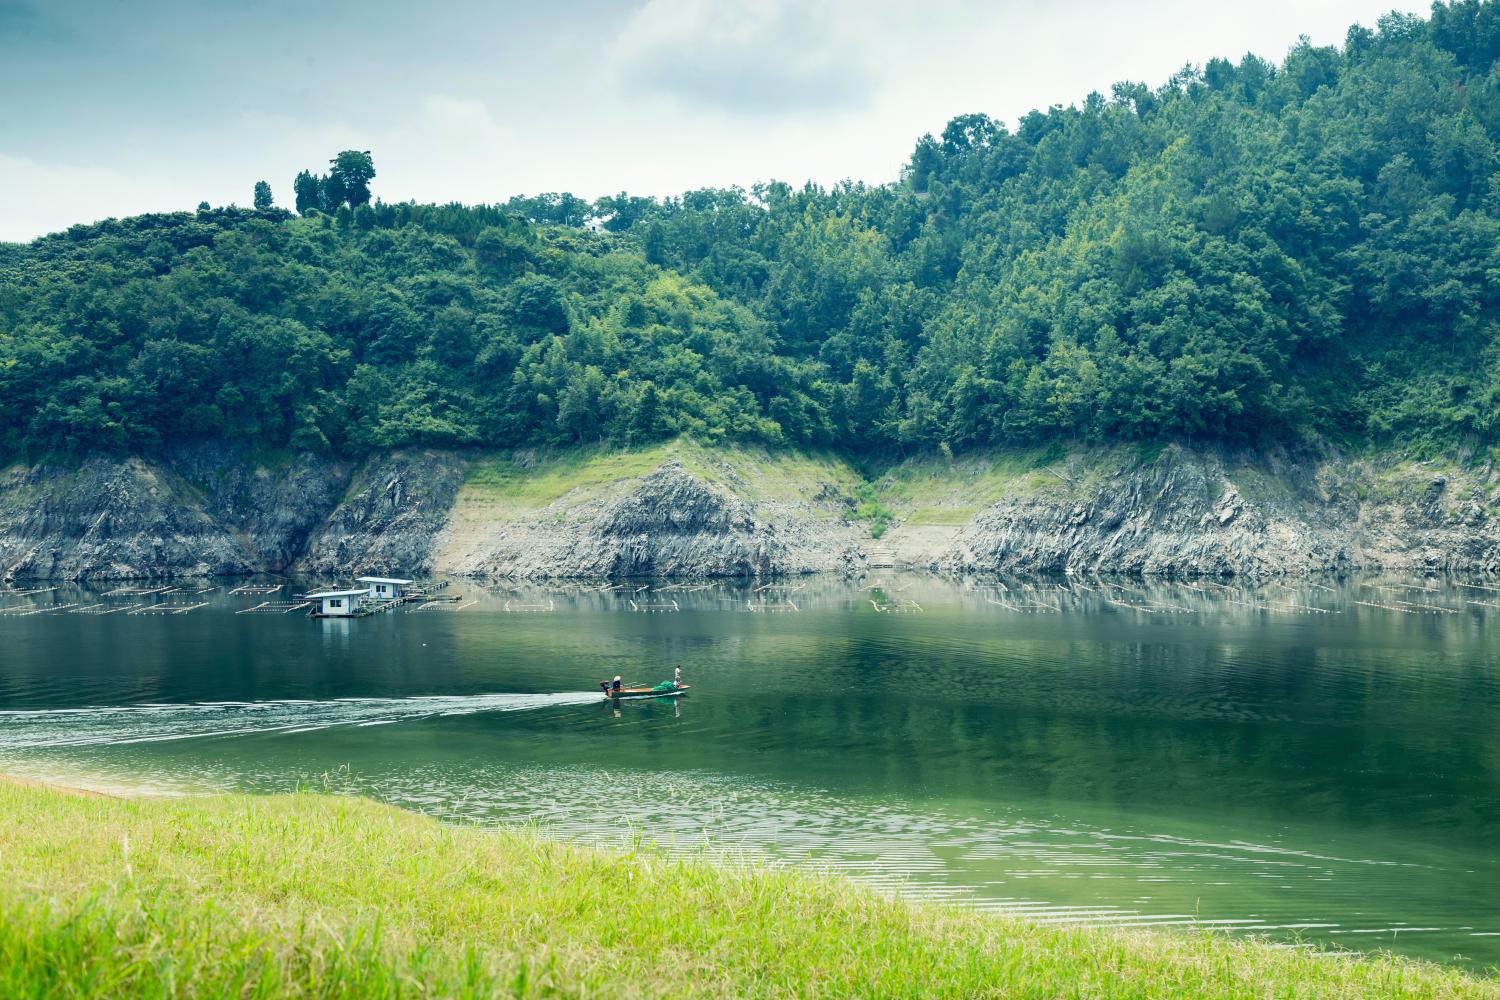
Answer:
(338, 897)
(924, 489)
(517, 484)
(933, 489)
(921, 489)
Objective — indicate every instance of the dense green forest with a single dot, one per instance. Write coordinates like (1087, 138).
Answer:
(1249, 251)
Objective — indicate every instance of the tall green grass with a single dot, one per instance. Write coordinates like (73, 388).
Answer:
(317, 896)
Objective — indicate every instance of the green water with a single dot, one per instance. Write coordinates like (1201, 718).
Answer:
(1285, 761)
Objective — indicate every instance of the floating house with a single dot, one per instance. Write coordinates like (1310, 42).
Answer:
(338, 603)
(384, 588)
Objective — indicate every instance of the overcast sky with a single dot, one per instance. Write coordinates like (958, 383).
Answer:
(110, 107)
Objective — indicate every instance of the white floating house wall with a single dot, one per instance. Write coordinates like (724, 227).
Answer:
(338, 603)
(385, 588)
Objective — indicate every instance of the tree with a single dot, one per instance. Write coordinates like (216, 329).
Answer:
(504, 252)
(1250, 251)
(353, 170)
(331, 193)
(306, 190)
(263, 199)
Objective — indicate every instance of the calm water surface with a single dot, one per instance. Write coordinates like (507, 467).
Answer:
(1312, 763)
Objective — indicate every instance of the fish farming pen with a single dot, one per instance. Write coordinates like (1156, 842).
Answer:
(788, 588)
(1170, 609)
(257, 589)
(22, 610)
(167, 608)
(1431, 608)
(770, 607)
(652, 608)
(1151, 609)
(1386, 607)
(140, 591)
(1405, 607)
(275, 607)
(438, 604)
(1025, 607)
(424, 599)
(524, 608)
(900, 606)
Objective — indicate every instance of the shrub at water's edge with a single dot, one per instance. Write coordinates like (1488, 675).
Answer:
(342, 897)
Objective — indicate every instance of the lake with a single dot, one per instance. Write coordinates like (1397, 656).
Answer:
(1318, 762)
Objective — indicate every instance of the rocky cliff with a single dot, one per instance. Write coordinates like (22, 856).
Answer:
(1192, 512)
(668, 523)
(210, 510)
(388, 519)
(694, 512)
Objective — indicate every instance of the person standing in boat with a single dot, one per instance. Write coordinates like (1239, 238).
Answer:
(677, 676)
(615, 684)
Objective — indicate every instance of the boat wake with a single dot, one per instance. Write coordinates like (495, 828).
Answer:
(54, 728)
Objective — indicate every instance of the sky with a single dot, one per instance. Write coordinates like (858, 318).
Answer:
(111, 108)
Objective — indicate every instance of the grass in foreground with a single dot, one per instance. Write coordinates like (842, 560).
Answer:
(311, 896)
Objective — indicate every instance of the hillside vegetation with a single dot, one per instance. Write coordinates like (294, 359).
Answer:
(312, 896)
(1250, 250)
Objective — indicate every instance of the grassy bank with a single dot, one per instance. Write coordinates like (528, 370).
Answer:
(527, 480)
(309, 896)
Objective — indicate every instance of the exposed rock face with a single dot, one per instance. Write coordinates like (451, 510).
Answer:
(670, 524)
(1195, 513)
(389, 520)
(208, 510)
(212, 510)
(268, 510)
(109, 519)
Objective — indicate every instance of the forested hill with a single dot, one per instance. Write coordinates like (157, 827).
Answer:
(1250, 250)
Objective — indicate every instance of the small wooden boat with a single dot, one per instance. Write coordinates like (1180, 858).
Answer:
(645, 692)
